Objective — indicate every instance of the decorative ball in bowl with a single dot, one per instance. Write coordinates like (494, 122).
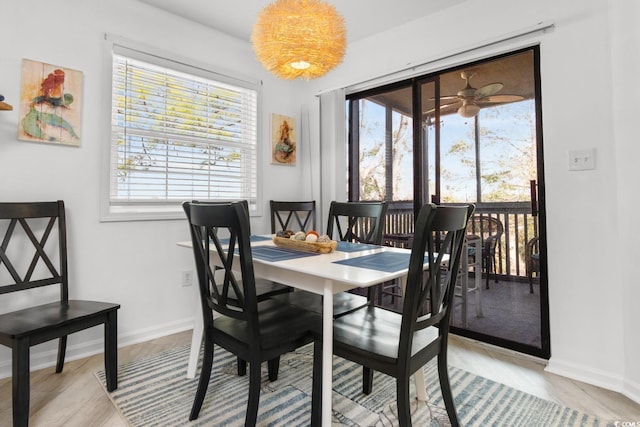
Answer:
(309, 241)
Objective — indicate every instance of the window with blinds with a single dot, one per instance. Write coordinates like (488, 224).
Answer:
(178, 133)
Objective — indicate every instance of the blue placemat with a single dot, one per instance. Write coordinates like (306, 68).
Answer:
(382, 261)
(354, 247)
(273, 254)
(252, 239)
(259, 238)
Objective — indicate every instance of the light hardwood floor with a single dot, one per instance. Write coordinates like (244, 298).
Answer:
(74, 398)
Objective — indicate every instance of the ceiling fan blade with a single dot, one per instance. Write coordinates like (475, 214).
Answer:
(445, 109)
(446, 98)
(501, 98)
(488, 90)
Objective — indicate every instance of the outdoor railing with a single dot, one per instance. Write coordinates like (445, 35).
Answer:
(519, 227)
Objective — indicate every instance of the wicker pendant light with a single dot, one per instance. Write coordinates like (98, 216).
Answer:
(299, 38)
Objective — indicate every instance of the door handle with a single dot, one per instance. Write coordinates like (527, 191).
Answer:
(534, 198)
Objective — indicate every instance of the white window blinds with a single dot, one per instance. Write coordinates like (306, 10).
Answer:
(178, 134)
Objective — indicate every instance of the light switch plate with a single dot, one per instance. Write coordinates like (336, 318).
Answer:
(580, 160)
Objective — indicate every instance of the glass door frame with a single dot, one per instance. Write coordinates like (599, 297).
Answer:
(421, 190)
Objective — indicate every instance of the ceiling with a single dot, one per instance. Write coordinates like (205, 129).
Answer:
(362, 17)
(514, 71)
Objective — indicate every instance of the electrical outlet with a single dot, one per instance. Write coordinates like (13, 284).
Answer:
(580, 160)
(187, 278)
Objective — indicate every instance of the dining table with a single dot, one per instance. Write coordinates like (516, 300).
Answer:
(349, 266)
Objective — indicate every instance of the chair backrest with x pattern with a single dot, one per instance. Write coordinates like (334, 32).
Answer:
(22, 224)
(223, 227)
(296, 216)
(439, 235)
(359, 222)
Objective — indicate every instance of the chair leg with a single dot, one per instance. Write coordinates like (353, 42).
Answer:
(254, 394)
(62, 350)
(445, 387)
(531, 281)
(111, 350)
(402, 396)
(367, 380)
(316, 393)
(487, 270)
(242, 367)
(205, 375)
(20, 383)
(274, 366)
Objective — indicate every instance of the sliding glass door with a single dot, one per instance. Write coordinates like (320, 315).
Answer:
(466, 135)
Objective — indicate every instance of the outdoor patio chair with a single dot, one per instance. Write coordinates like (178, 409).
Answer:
(490, 230)
(532, 260)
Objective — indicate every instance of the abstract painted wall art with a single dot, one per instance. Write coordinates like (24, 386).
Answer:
(50, 104)
(283, 140)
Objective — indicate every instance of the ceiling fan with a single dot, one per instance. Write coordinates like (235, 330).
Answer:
(469, 100)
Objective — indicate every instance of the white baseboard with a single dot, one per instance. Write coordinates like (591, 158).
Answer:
(47, 358)
(586, 374)
(632, 391)
(595, 377)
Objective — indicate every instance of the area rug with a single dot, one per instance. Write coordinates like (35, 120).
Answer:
(156, 392)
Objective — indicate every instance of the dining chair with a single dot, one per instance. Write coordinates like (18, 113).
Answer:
(490, 230)
(299, 216)
(355, 222)
(296, 216)
(254, 332)
(265, 289)
(42, 227)
(399, 344)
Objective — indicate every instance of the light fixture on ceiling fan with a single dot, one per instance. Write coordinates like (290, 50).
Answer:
(469, 100)
(468, 108)
(299, 38)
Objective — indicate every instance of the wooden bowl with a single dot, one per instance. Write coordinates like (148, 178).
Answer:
(299, 245)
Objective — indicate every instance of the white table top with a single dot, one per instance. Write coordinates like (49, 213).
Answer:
(323, 267)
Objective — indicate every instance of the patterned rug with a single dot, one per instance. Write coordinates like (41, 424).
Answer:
(155, 392)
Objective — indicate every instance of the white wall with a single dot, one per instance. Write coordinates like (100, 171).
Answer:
(134, 263)
(587, 76)
(625, 43)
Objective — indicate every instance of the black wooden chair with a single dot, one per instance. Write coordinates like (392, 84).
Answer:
(253, 332)
(296, 216)
(490, 231)
(47, 266)
(265, 289)
(400, 344)
(357, 222)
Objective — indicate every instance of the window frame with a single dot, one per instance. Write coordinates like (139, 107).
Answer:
(158, 210)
